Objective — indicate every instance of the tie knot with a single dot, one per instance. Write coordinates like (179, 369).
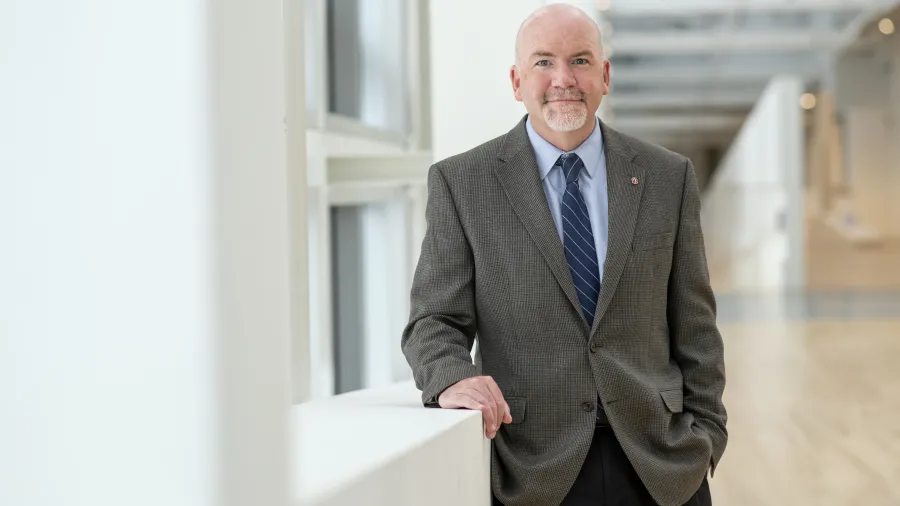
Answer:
(571, 165)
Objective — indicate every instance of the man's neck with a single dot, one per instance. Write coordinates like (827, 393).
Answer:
(566, 141)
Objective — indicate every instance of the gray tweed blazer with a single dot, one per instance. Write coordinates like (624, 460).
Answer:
(492, 270)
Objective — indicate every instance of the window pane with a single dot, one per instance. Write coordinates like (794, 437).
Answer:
(367, 63)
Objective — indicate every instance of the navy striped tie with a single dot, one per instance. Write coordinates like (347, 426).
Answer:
(578, 238)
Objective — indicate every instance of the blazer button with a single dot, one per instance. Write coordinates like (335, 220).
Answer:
(588, 406)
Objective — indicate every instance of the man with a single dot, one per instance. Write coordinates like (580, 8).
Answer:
(574, 253)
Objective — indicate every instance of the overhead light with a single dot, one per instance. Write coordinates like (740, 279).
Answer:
(886, 26)
(808, 101)
(604, 5)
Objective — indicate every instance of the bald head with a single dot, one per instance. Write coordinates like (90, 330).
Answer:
(553, 18)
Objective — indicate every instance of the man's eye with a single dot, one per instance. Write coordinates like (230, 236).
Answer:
(543, 63)
(580, 61)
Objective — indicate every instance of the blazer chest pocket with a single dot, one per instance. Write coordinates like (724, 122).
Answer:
(673, 399)
(651, 242)
(516, 408)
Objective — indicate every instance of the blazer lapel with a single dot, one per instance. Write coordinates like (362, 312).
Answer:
(624, 202)
(520, 177)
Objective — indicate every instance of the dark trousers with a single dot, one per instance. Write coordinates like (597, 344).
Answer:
(608, 479)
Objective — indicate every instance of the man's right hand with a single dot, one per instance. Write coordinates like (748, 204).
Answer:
(479, 393)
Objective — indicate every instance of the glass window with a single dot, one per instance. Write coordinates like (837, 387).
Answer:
(367, 62)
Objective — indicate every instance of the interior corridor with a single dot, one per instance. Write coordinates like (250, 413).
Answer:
(212, 214)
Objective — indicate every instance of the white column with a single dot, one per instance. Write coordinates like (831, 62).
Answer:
(259, 240)
(792, 159)
(147, 239)
(296, 117)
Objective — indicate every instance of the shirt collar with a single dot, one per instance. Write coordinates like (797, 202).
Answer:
(546, 154)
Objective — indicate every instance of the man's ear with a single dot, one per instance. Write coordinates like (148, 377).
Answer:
(515, 81)
(606, 76)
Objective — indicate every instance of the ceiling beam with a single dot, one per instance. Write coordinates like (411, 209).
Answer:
(700, 73)
(692, 42)
(688, 8)
(874, 9)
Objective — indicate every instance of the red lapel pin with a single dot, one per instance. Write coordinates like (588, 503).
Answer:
(634, 180)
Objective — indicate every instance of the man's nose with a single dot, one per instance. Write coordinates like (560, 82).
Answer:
(563, 77)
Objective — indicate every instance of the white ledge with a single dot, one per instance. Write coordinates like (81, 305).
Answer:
(381, 446)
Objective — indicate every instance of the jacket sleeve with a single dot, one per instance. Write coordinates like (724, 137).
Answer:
(696, 342)
(437, 342)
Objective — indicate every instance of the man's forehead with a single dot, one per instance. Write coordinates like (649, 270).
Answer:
(569, 45)
(546, 35)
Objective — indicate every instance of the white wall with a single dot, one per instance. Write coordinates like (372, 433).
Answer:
(869, 99)
(472, 97)
(753, 213)
(873, 171)
(144, 336)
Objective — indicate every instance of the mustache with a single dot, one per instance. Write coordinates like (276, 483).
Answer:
(560, 94)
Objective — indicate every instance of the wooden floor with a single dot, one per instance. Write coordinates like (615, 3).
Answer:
(814, 412)
(813, 383)
(834, 264)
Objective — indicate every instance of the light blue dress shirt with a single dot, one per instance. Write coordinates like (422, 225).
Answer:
(591, 181)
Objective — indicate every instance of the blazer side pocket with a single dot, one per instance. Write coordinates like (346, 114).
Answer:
(517, 407)
(673, 399)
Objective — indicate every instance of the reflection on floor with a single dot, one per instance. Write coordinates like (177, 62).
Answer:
(835, 264)
(813, 396)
